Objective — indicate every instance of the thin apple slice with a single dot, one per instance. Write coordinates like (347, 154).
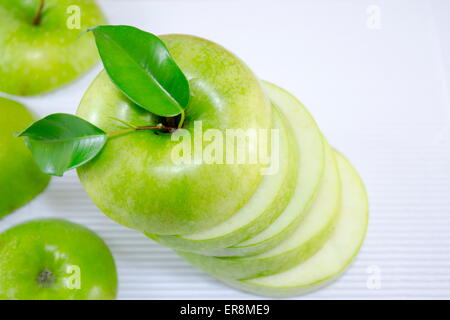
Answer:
(310, 170)
(266, 204)
(334, 257)
(307, 239)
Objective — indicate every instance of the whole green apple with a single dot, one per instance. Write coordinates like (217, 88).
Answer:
(20, 178)
(53, 259)
(40, 44)
(135, 181)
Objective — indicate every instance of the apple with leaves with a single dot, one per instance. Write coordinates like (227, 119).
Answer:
(301, 226)
(215, 87)
(40, 44)
(20, 177)
(54, 259)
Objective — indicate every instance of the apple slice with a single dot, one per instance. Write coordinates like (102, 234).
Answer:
(310, 170)
(334, 257)
(307, 239)
(269, 201)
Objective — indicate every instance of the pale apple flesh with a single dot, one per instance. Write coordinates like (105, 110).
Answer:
(20, 177)
(134, 180)
(38, 58)
(333, 258)
(268, 202)
(307, 239)
(311, 165)
(53, 259)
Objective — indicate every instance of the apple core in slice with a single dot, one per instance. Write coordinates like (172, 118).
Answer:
(334, 257)
(311, 149)
(306, 240)
(268, 201)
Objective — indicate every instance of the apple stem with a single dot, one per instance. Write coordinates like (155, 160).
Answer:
(120, 132)
(38, 15)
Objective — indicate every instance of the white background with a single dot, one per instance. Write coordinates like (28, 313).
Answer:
(380, 95)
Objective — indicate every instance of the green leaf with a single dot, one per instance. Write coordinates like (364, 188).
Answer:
(60, 142)
(140, 65)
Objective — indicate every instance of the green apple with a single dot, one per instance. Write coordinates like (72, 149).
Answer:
(268, 201)
(311, 165)
(42, 50)
(307, 239)
(135, 181)
(333, 258)
(53, 259)
(20, 178)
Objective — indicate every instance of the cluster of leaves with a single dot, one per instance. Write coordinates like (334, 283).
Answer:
(140, 66)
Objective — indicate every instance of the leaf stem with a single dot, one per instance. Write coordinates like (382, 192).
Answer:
(183, 116)
(37, 17)
(119, 132)
(129, 125)
(159, 126)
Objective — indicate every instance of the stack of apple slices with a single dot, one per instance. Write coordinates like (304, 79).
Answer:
(278, 235)
(301, 228)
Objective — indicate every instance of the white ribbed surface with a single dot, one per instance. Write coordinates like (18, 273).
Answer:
(380, 96)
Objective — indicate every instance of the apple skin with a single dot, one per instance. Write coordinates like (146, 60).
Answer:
(39, 58)
(267, 203)
(20, 178)
(134, 179)
(51, 245)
